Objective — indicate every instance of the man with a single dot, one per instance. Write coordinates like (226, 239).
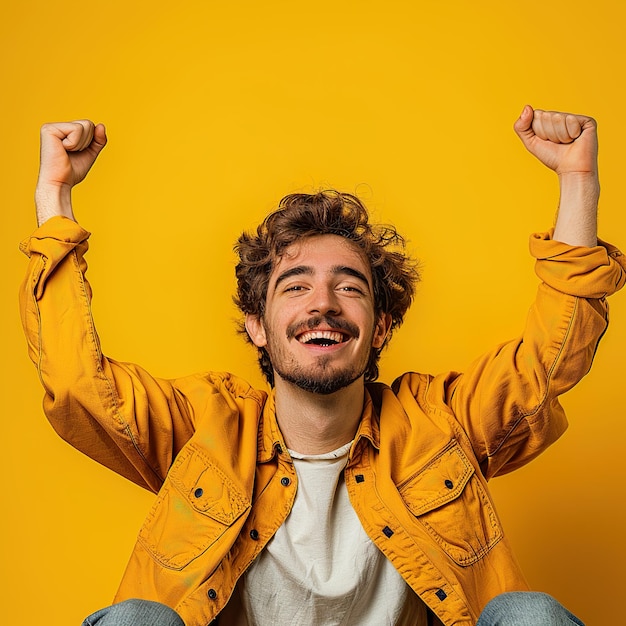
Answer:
(333, 499)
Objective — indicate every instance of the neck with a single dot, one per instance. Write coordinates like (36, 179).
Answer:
(312, 423)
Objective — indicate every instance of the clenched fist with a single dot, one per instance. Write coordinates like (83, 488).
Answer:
(568, 144)
(68, 150)
(564, 142)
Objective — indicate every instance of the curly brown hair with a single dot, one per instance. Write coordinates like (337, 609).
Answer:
(329, 212)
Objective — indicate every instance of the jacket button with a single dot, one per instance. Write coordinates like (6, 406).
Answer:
(449, 484)
(254, 534)
(198, 492)
(285, 482)
(212, 594)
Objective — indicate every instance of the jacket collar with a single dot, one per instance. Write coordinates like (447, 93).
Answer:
(369, 425)
(270, 439)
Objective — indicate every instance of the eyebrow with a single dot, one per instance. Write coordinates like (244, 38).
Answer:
(307, 270)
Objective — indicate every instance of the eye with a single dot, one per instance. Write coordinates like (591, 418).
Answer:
(352, 289)
(294, 288)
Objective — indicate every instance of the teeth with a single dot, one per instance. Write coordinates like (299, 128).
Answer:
(321, 334)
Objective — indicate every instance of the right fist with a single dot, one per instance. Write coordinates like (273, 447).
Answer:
(68, 150)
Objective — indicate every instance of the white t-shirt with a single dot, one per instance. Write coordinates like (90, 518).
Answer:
(321, 568)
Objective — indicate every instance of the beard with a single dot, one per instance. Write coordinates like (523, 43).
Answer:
(323, 378)
(324, 381)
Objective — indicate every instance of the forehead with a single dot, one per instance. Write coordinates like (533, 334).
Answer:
(322, 253)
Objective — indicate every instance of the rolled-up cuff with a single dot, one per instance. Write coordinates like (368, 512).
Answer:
(586, 272)
(57, 232)
(53, 241)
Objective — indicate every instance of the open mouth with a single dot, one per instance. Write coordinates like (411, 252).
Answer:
(322, 338)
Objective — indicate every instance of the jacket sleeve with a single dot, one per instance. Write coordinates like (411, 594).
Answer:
(507, 400)
(116, 413)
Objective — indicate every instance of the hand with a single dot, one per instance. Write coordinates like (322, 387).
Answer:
(567, 144)
(564, 142)
(68, 150)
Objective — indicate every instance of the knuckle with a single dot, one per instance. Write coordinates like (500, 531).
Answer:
(83, 125)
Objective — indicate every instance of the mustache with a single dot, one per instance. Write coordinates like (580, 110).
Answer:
(332, 322)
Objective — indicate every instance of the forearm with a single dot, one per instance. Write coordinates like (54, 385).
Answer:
(576, 222)
(52, 200)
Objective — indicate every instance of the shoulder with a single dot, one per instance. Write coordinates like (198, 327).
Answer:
(228, 386)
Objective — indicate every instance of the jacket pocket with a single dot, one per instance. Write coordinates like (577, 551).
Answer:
(196, 505)
(449, 500)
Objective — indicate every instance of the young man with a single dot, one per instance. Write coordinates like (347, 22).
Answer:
(332, 499)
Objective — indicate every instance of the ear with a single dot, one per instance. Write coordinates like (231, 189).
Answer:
(256, 330)
(381, 330)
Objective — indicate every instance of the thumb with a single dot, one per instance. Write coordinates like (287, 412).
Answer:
(523, 124)
(99, 139)
(91, 152)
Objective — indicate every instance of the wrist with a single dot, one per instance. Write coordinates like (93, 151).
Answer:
(52, 200)
(580, 183)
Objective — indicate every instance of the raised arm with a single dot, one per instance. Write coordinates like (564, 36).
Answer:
(508, 400)
(568, 145)
(116, 413)
(68, 150)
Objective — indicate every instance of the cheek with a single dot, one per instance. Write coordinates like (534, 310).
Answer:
(274, 330)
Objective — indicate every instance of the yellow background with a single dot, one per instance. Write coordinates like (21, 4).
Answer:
(216, 110)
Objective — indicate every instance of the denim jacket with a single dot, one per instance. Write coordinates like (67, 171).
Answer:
(210, 447)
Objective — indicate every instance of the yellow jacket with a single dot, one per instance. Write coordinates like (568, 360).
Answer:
(210, 446)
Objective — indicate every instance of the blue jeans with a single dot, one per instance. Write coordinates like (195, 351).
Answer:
(524, 608)
(519, 608)
(135, 613)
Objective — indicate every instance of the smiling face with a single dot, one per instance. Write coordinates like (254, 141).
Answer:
(319, 325)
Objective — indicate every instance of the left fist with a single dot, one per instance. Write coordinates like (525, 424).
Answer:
(564, 142)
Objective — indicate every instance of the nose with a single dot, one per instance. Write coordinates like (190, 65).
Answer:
(324, 301)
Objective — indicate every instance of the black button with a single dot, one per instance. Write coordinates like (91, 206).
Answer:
(441, 594)
(212, 594)
(254, 534)
(449, 484)
(359, 478)
(279, 448)
(387, 531)
(285, 482)
(198, 492)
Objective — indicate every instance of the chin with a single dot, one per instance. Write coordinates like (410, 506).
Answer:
(325, 384)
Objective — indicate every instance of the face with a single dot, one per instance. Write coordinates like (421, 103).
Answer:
(319, 324)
